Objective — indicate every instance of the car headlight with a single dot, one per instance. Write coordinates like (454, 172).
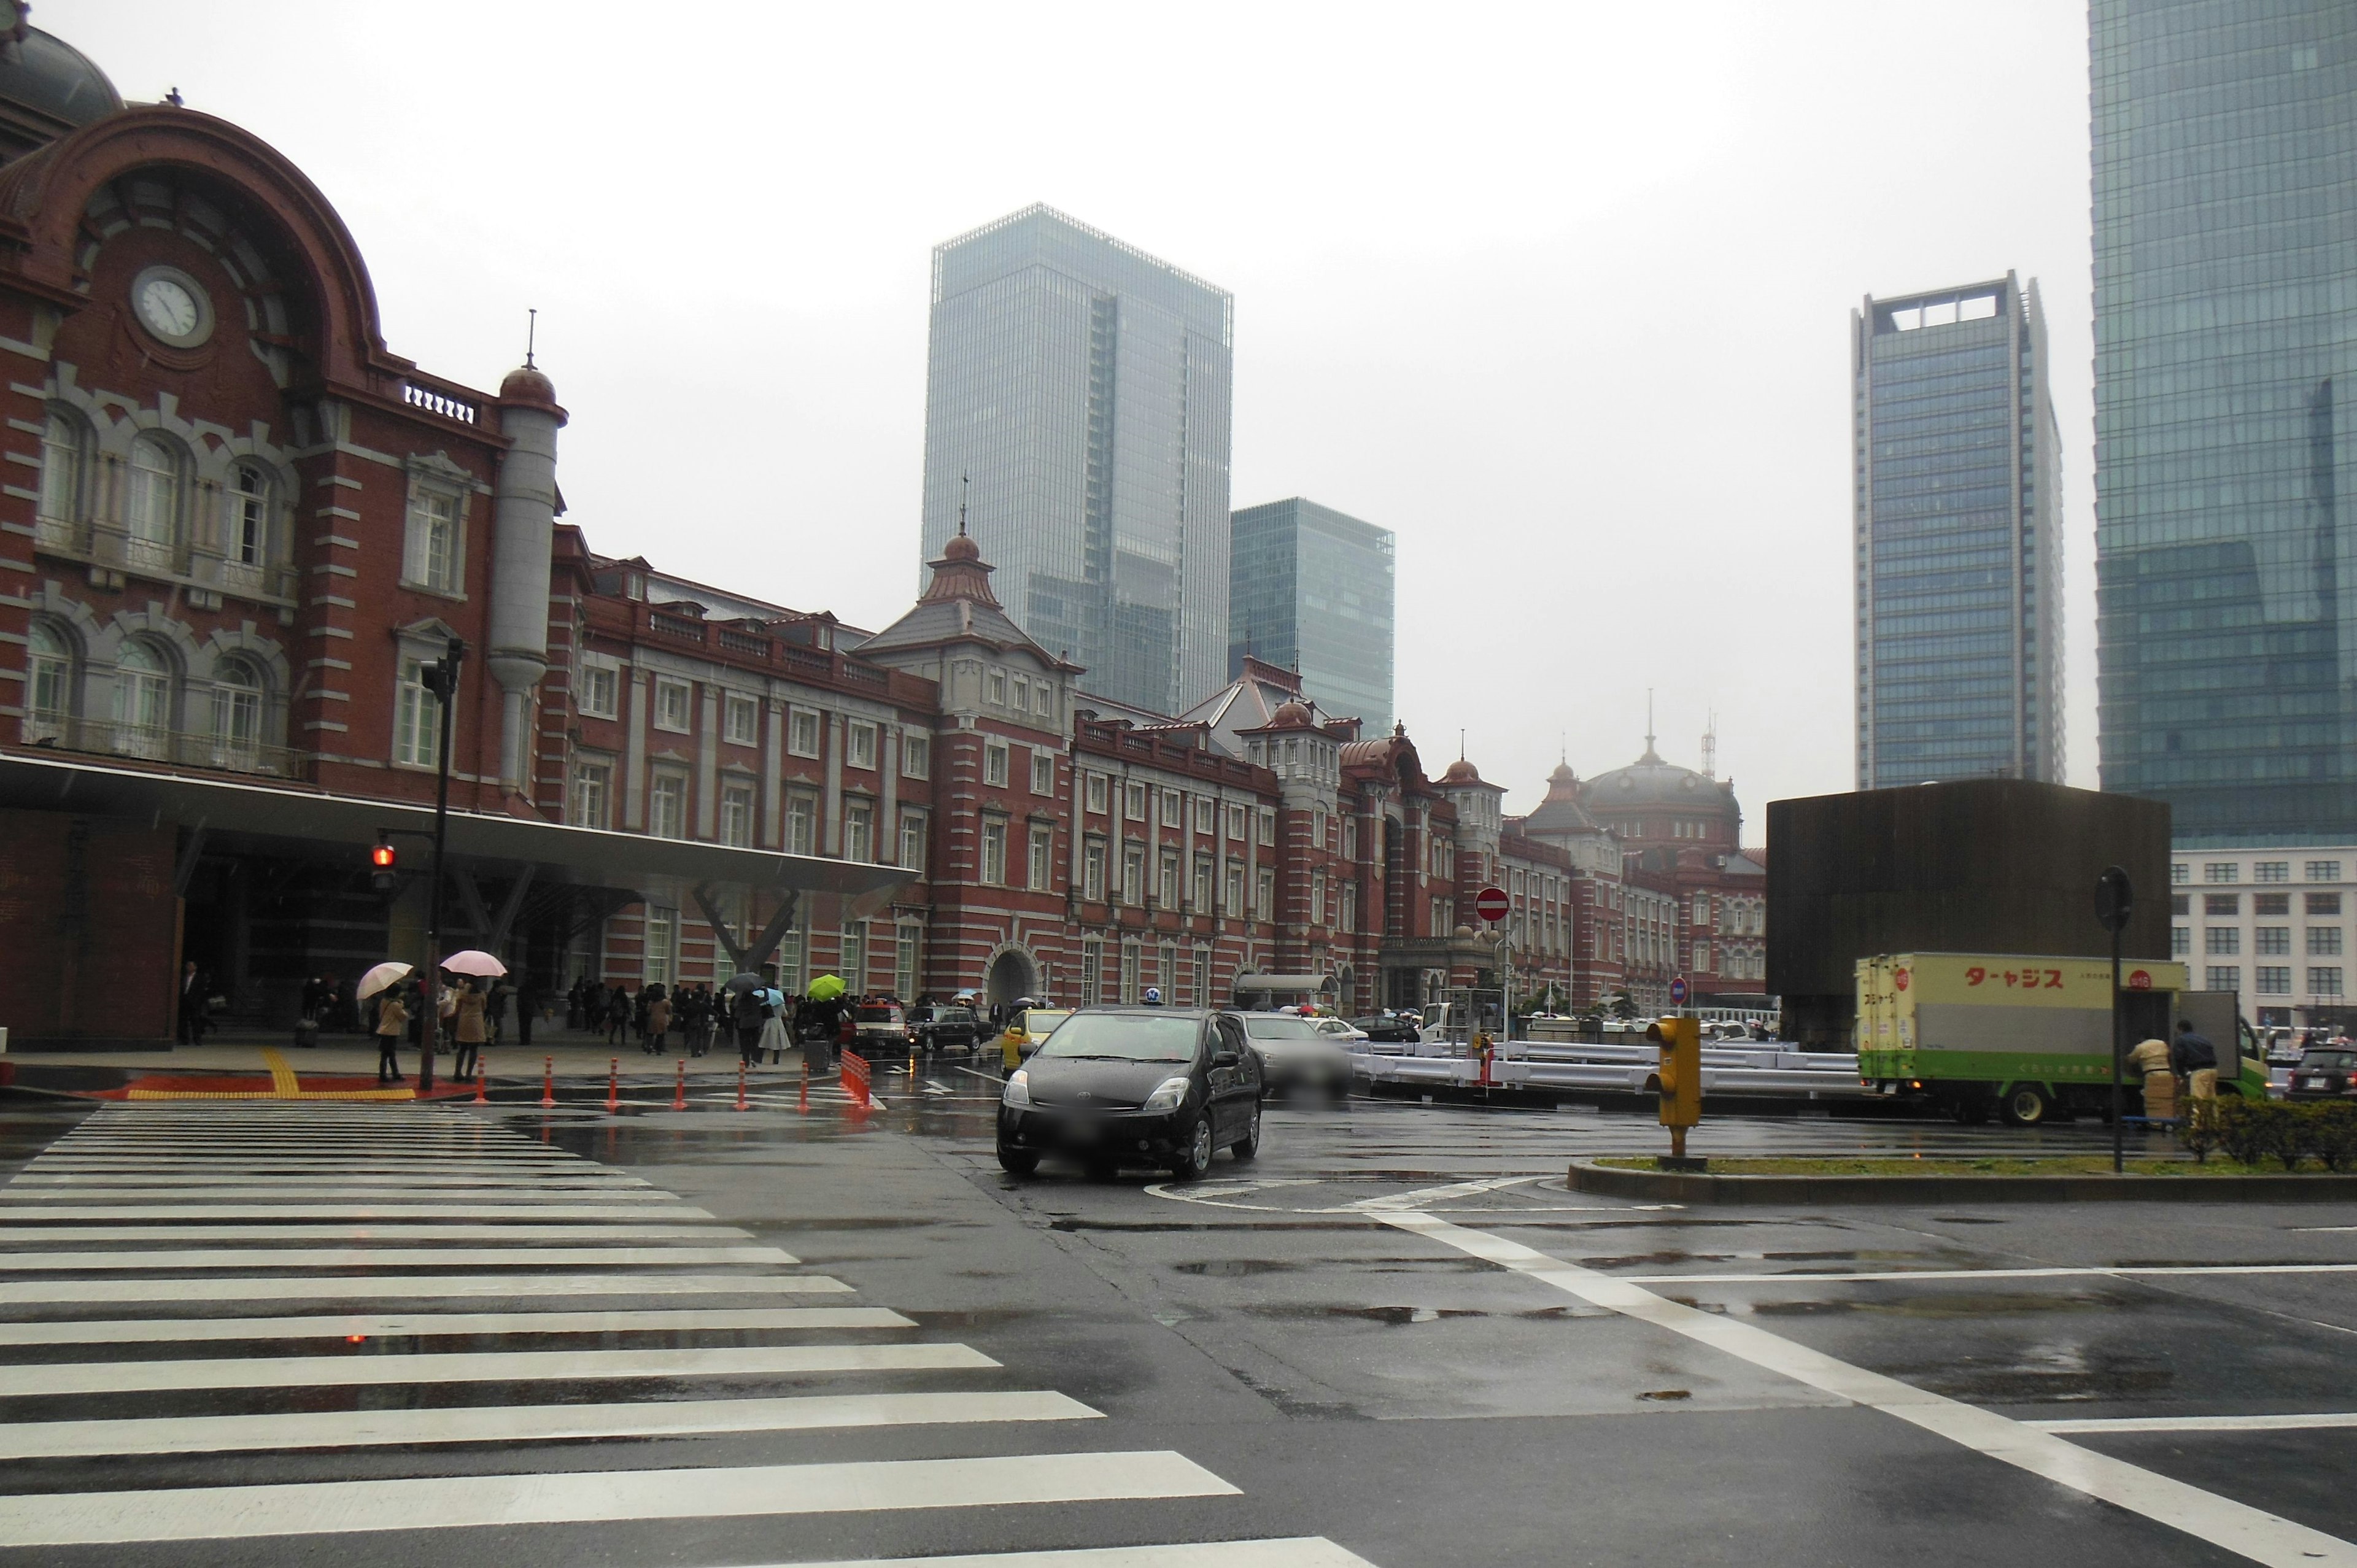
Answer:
(1168, 1095)
(1018, 1089)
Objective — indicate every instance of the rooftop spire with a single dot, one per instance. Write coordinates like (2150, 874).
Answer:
(530, 336)
(1650, 755)
(962, 484)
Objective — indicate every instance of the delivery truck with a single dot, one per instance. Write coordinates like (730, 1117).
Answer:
(2029, 1038)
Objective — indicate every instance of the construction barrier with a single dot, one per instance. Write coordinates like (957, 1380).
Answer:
(854, 1078)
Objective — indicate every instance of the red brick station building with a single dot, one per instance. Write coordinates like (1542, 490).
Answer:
(234, 525)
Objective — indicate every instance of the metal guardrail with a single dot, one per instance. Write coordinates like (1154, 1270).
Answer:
(1767, 1068)
(182, 748)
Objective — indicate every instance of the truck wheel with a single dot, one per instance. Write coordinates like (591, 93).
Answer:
(2026, 1105)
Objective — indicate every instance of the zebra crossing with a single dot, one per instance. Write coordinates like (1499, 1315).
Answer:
(194, 1294)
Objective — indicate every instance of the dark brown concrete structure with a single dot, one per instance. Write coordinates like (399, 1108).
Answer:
(1979, 865)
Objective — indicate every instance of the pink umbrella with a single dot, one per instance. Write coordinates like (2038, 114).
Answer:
(379, 978)
(474, 961)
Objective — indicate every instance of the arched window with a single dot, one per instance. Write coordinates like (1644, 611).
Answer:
(62, 449)
(48, 683)
(142, 700)
(237, 714)
(152, 515)
(248, 536)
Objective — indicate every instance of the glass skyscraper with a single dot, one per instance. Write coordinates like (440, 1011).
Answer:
(1959, 565)
(1310, 589)
(1082, 390)
(2226, 208)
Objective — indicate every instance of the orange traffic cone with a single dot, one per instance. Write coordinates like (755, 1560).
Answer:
(548, 1088)
(740, 1087)
(805, 1106)
(613, 1084)
(679, 1099)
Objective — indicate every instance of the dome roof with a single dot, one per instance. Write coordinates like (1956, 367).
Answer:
(1560, 812)
(1461, 773)
(961, 547)
(1650, 781)
(525, 383)
(54, 80)
(1290, 715)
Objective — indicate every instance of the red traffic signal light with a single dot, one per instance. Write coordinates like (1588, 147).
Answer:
(380, 863)
(382, 858)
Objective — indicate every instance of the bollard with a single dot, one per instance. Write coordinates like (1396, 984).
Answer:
(740, 1087)
(679, 1098)
(613, 1086)
(548, 1087)
(479, 1076)
(805, 1106)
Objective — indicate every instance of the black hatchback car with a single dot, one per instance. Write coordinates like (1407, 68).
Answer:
(1134, 1086)
(2325, 1072)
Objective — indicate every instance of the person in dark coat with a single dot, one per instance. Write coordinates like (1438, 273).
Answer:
(528, 1003)
(618, 1014)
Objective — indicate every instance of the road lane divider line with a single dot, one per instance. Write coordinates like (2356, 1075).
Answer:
(2124, 1270)
(556, 1230)
(2097, 1426)
(526, 1423)
(356, 1212)
(1299, 1552)
(29, 1379)
(1431, 1194)
(390, 1258)
(324, 1508)
(422, 1325)
(2221, 1521)
(421, 1287)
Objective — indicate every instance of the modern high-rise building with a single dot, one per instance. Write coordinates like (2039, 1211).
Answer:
(1077, 407)
(1310, 589)
(2225, 339)
(1959, 563)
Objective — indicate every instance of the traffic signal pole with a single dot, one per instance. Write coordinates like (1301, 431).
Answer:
(444, 678)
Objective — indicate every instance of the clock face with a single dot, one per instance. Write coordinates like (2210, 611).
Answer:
(172, 305)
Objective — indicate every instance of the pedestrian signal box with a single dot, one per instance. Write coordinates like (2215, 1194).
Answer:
(1680, 1073)
(381, 866)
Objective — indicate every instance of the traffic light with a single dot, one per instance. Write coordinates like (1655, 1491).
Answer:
(380, 864)
(1680, 1073)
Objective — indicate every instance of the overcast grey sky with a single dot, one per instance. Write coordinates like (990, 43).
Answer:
(1558, 292)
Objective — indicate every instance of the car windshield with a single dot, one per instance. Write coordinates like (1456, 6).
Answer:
(954, 1015)
(2338, 1060)
(876, 1015)
(1278, 1026)
(1124, 1037)
(1042, 1020)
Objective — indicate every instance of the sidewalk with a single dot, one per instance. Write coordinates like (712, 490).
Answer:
(575, 1055)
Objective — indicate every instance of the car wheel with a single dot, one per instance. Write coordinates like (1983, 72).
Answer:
(1017, 1162)
(1248, 1145)
(2026, 1105)
(1195, 1159)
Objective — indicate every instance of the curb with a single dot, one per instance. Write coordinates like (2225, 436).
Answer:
(1681, 1187)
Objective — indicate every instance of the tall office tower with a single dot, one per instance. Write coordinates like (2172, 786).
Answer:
(1959, 574)
(2226, 212)
(1077, 405)
(1310, 589)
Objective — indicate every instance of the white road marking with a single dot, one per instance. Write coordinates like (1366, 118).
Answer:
(408, 1324)
(139, 1183)
(392, 1258)
(2097, 1426)
(2124, 1270)
(40, 1235)
(1304, 1552)
(2323, 1229)
(208, 1513)
(524, 1423)
(1425, 1196)
(2232, 1526)
(421, 1287)
(25, 1380)
(199, 1208)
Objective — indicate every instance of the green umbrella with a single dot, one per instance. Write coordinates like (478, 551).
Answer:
(826, 988)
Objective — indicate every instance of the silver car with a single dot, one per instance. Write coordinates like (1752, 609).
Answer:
(1296, 1055)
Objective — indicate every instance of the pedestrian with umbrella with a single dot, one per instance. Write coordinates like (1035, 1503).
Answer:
(470, 1014)
(391, 1017)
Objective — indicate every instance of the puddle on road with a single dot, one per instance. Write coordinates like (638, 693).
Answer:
(1394, 1317)
(1942, 1305)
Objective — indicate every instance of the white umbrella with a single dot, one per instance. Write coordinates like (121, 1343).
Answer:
(382, 976)
(474, 961)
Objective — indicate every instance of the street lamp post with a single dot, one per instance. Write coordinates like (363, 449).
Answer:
(2115, 900)
(441, 677)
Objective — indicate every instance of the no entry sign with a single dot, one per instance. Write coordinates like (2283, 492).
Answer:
(1678, 992)
(1490, 904)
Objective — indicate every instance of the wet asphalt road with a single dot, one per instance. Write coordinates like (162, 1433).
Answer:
(1326, 1330)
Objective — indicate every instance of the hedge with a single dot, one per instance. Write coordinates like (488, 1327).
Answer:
(2252, 1132)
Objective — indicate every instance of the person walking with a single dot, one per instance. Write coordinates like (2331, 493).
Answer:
(618, 1014)
(392, 1018)
(658, 1023)
(495, 1011)
(470, 1030)
(528, 1005)
(192, 1006)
